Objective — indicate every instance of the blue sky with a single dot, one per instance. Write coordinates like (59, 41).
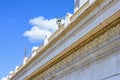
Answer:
(22, 25)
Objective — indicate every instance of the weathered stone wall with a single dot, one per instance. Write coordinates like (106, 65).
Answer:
(98, 59)
(102, 63)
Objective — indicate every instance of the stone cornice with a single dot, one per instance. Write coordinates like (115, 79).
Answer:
(86, 59)
(96, 40)
(62, 56)
(84, 40)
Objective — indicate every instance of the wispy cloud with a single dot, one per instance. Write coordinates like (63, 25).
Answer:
(40, 28)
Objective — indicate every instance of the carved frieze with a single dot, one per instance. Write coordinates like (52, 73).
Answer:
(82, 52)
(103, 39)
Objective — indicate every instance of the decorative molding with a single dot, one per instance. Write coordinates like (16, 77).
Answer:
(86, 50)
(89, 47)
(67, 61)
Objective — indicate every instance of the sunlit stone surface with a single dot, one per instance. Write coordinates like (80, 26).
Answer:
(85, 47)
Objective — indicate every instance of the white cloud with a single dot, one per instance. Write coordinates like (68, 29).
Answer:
(43, 23)
(4, 78)
(40, 28)
(36, 34)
